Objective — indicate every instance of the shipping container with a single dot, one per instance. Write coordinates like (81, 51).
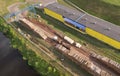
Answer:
(78, 45)
(69, 40)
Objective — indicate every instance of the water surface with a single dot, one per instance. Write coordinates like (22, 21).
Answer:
(11, 62)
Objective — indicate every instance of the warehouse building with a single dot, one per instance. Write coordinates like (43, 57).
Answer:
(97, 28)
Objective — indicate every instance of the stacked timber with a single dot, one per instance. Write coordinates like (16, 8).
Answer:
(40, 33)
(83, 62)
(34, 28)
(97, 71)
(89, 66)
(77, 57)
(110, 63)
(62, 48)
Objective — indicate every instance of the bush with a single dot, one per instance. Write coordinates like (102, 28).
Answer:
(36, 62)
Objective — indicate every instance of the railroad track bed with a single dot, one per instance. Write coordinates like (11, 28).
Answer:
(73, 50)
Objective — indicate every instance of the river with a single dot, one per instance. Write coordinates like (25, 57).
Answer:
(11, 62)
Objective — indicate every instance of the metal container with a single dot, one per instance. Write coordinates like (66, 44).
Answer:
(69, 40)
(78, 45)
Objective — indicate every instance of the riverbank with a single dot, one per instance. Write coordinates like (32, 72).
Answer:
(11, 62)
(19, 42)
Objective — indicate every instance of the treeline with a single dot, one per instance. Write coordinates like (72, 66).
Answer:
(39, 64)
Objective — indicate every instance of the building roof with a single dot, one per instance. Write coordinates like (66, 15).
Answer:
(64, 11)
(99, 25)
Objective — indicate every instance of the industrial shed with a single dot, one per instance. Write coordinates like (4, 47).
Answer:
(53, 14)
(64, 14)
(100, 29)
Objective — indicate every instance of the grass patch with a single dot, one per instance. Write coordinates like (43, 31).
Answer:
(106, 9)
(114, 2)
(24, 5)
(5, 3)
(64, 3)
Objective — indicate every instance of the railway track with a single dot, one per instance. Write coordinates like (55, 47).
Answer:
(51, 31)
(72, 51)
